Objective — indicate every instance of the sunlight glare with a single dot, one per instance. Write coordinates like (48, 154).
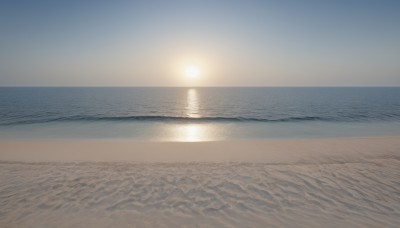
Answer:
(192, 71)
(192, 108)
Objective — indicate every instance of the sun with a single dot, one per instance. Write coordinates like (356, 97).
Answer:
(192, 71)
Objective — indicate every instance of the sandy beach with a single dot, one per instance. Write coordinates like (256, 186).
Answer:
(343, 182)
(247, 114)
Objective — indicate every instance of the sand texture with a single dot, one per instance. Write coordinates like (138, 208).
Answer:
(316, 191)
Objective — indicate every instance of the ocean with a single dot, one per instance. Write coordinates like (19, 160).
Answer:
(197, 114)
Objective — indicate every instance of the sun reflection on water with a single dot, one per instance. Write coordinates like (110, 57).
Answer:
(191, 133)
(192, 107)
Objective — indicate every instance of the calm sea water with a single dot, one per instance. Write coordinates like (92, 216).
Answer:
(198, 114)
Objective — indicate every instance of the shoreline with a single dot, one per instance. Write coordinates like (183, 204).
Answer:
(283, 151)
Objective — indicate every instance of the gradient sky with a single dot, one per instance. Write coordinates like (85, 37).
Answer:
(234, 43)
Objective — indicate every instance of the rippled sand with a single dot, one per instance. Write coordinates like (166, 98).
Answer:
(318, 192)
(200, 194)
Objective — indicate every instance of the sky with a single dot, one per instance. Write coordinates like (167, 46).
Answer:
(231, 43)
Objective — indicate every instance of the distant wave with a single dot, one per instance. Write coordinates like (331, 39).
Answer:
(160, 119)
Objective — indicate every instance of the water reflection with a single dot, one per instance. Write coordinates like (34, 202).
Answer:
(192, 107)
(191, 133)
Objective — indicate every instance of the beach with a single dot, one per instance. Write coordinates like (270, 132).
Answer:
(331, 182)
(247, 114)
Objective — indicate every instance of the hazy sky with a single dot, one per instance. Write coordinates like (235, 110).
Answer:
(233, 43)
